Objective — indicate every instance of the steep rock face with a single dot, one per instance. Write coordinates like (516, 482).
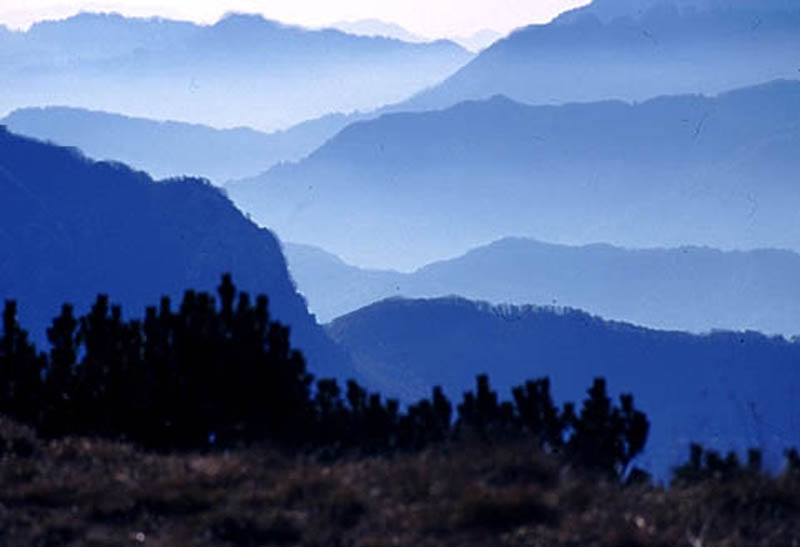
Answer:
(727, 390)
(632, 50)
(71, 228)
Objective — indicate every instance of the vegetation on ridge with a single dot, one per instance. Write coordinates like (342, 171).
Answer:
(204, 375)
(309, 464)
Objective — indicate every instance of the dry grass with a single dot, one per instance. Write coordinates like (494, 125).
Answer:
(95, 493)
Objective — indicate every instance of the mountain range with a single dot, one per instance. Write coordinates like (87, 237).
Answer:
(690, 288)
(476, 41)
(729, 391)
(71, 228)
(171, 149)
(243, 70)
(632, 50)
(406, 189)
(376, 27)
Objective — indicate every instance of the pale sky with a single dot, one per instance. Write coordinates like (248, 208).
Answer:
(432, 18)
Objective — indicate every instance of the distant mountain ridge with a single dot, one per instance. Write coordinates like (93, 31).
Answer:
(279, 75)
(414, 187)
(376, 27)
(632, 50)
(71, 228)
(727, 390)
(690, 288)
(608, 10)
(169, 149)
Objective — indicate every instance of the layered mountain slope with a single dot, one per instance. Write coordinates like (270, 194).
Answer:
(169, 149)
(376, 27)
(690, 288)
(633, 50)
(406, 189)
(71, 228)
(725, 390)
(243, 70)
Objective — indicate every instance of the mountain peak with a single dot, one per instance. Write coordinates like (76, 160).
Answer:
(242, 21)
(378, 28)
(608, 10)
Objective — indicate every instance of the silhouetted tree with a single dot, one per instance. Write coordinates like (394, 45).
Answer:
(218, 374)
(539, 414)
(606, 438)
(482, 413)
(706, 465)
(20, 370)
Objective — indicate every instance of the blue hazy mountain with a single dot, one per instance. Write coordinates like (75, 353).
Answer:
(476, 41)
(242, 70)
(409, 188)
(633, 50)
(71, 228)
(333, 287)
(479, 40)
(691, 288)
(726, 390)
(376, 27)
(169, 149)
(104, 35)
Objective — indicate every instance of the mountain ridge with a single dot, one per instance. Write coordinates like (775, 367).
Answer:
(427, 181)
(695, 289)
(694, 388)
(189, 71)
(71, 228)
(167, 148)
(670, 48)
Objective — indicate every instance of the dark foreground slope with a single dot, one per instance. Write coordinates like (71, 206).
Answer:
(71, 228)
(689, 288)
(406, 189)
(79, 492)
(726, 390)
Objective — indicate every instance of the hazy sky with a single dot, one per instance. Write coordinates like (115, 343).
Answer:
(432, 18)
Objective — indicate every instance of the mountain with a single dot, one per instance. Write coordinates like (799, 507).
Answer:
(406, 189)
(609, 10)
(332, 287)
(376, 27)
(71, 228)
(632, 50)
(726, 390)
(478, 41)
(690, 288)
(98, 36)
(243, 70)
(170, 149)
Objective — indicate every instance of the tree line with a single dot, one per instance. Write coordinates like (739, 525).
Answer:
(208, 374)
(219, 371)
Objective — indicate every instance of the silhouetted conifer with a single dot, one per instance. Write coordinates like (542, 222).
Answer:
(705, 465)
(219, 372)
(20, 370)
(539, 414)
(606, 438)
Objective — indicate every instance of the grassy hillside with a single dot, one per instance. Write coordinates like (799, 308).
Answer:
(84, 492)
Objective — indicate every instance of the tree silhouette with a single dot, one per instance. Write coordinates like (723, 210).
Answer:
(218, 371)
(539, 414)
(606, 438)
(20, 370)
